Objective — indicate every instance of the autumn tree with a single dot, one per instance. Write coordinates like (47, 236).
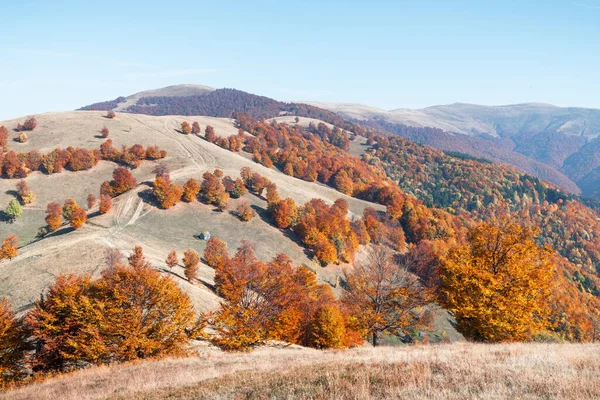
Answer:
(190, 190)
(209, 133)
(244, 211)
(212, 190)
(3, 138)
(122, 181)
(166, 193)
(196, 128)
(238, 189)
(171, 260)
(54, 216)
(104, 132)
(68, 207)
(327, 329)
(13, 345)
(10, 247)
(186, 127)
(78, 217)
(191, 259)
(91, 201)
(13, 210)
(497, 282)
(30, 123)
(131, 312)
(105, 204)
(285, 213)
(111, 114)
(384, 297)
(215, 252)
(24, 193)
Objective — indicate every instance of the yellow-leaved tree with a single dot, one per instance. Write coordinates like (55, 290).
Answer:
(497, 282)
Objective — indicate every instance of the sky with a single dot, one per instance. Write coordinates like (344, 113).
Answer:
(57, 56)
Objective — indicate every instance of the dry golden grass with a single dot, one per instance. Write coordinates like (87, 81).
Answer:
(457, 371)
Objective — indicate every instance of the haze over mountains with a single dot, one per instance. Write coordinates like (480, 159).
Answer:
(558, 144)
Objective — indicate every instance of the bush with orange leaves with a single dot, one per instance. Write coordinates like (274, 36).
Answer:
(54, 216)
(167, 194)
(243, 211)
(273, 301)
(10, 247)
(122, 181)
(105, 204)
(186, 127)
(191, 259)
(130, 312)
(215, 252)
(190, 190)
(212, 190)
(78, 217)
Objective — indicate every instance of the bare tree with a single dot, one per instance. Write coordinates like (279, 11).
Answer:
(384, 296)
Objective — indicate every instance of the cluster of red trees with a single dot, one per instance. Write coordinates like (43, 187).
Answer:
(273, 301)
(335, 136)
(231, 143)
(19, 165)
(29, 124)
(210, 191)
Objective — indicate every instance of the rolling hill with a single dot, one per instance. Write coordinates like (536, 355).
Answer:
(558, 144)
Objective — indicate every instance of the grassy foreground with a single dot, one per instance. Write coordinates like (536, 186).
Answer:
(455, 371)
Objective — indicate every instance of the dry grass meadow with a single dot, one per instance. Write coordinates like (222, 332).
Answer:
(453, 371)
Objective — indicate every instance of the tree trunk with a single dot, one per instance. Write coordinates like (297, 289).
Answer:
(375, 339)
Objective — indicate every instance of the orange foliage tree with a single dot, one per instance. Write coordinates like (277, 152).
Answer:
(171, 260)
(497, 282)
(24, 193)
(13, 345)
(167, 194)
(53, 216)
(131, 312)
(215, 252)
(91, 201)
(244, 211)
(78, 217)
(190, 190)
(274, 301)
(186, 127)
(10, 247)
(384, 297)
(191, 259)
(285, 213)
(105, 204)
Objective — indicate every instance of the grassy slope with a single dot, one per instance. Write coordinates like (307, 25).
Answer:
(458, 371)
(132, 220)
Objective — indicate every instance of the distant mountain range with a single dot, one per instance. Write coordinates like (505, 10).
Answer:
(558, 144)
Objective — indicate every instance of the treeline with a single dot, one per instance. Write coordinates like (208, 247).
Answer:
(20, 165)
(105, 105)
(228, 102)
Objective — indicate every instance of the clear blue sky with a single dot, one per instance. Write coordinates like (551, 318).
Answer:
(389, 54)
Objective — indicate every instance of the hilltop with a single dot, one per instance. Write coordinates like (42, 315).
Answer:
(553, 143)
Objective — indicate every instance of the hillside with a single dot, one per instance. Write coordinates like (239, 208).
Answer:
(538, 139)
(459, 371)
(133, 220)
(554, 143)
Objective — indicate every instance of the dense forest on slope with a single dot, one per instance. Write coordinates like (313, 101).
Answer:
(481, 190)
(430, 230)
